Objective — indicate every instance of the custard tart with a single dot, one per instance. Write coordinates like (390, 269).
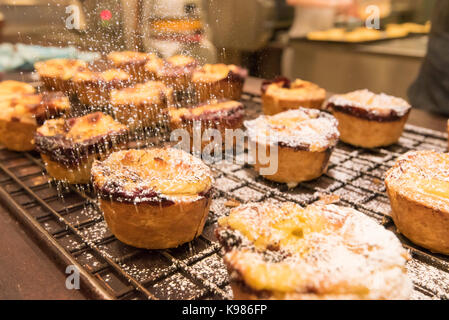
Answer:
(22, 114)
(153, 198)
(175, 71)
(133, 62)
(286, 252)
(57, 74)
(141, 105)
(302, 140)
(68, 147)
(11, 89)
(369, 120)
(219, 115)
(219, 81)
(281, 94)
(418, 188)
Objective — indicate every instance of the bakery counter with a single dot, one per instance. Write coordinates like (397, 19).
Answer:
(31, 273)
(385, 66)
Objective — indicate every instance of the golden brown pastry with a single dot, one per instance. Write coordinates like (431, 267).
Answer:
(68, 147)
(175, 72)
(56, 74)
(304, 140)
(93, 87)
(141, 105)
(369, 120)
(11, 89)
(418, 188)
(219, 81)
(20, 115)
(220, 115)
(281, 95)
(286, 252)
(133, 62)
(154, 198)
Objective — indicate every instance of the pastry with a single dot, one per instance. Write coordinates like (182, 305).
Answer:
(418, 188)
(56, 74)
(303, 138)
(176, 71)
(281, 95)
(68, 147)
(11, 89)
(132, 62)
(22, 114)
(286, 252)
(153, 198)
(93, 87)
(219, 115)
(141, 105)
(369, 120)
(219, 81)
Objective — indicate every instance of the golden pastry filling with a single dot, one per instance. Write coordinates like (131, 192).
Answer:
(422, 176)
(297, 90)
(60, 68)
(181, 61)
(322, 250)
(307, 129)
(213, 72)
(151, 93)
(81, 129)
(167, 172)
(10, 89)
(126, 57)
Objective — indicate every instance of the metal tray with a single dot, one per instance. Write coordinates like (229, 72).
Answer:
(67, 222)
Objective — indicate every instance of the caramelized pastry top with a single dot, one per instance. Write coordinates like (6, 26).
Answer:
(322, 251)
(422, 176)
(152, 175)
(60, 68)
(109, 75)
(366, 104)
(122, 58)
(283, 88)
(151, 92)
(213, 110)
(11, 88)
(34, 108)
(177, 65)
(302, 129)
(217, 72)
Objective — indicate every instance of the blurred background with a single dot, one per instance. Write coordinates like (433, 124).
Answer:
(269, 37)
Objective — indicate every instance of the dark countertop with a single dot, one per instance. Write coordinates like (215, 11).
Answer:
(29, 273)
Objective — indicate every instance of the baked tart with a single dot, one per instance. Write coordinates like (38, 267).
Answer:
(153, 198)
(21, 115)
(68, 147)
(11, 89)
(220, 115)
(93, 87)
(175, 72)
(219, 81)
(56, 74)
(369, 120)
(304, 140)
(133, 62)
(141, 105)
(418, 188)
(281, 94)
(286, 252)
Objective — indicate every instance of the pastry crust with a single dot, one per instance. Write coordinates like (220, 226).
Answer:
(219, 81)
(69, 146)
(281, 95)
(11, 89)
(56, 74)
(286, 252)
(20, 116)
(154, 198)
(93, 87)
(369, 120)
(176, 71)
(304, 140)
(418, 188)
(132, 62)
(141, 105)
(220, 115)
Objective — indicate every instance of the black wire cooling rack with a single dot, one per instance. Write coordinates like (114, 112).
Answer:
(67, 222)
